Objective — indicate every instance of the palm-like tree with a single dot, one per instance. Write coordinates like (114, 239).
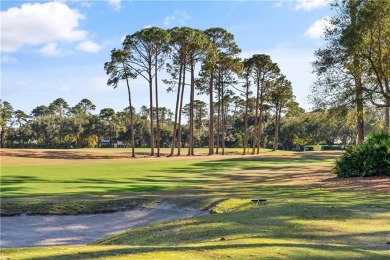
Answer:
(148, 47)
(119, 69)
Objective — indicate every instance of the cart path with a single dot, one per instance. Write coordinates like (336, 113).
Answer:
(54, 230)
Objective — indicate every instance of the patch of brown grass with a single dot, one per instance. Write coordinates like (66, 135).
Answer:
(48, 156)
(377, 183)
(312, 175)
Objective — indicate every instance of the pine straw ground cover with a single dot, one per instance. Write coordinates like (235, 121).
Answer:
(308, 213)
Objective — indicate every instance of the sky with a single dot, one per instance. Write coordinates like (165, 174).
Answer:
(57, 49)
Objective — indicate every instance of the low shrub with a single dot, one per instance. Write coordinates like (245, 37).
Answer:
(371, 158)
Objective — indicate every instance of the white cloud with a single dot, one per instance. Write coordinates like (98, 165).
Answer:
(88, 46)
(39, 23)
(281, 3)
(52, 50)
(316, 30)
(179, 17)
(86, 4)
(168, 20)
(5, 59)
(116, 4)
(308, 5)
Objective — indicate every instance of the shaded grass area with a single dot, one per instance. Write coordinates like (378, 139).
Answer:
(274, 230)
(78, 188)
(20, 181)
(95, 154)
(302, 218)
(71, 207)
(268, 249)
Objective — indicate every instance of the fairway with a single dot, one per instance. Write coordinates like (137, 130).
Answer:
(93, 173)
(307, 213)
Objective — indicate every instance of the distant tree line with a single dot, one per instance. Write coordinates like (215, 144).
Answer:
(250, 102)
(59, 125)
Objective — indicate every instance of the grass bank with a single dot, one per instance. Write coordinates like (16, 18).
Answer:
(307, 213)
(77, 186)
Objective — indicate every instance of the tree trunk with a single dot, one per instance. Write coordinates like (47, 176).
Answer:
(277, 123)
(176, 111)
(359, 109)
(151, 110)
(1, 138)
(211, 117)
(387, 114)
(255, 131)
(245, 141)
(179, 144)
(219, 112)
(223, 118)
(358, 81)
(157, 112)
(192, 97)
(360, 116)
(131, 119)
(260, 124)
(109, 125)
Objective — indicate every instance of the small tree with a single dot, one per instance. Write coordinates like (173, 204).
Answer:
(119, 69)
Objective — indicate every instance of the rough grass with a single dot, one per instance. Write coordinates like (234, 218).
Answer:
(306, 215)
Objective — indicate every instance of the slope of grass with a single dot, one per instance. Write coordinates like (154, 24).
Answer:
(300, 219)
(69, 187)
(301, 230)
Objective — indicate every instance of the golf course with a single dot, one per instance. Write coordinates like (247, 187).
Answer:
(191, 130)
(275, 205)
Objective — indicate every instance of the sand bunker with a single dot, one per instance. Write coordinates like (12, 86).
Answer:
(53, 230)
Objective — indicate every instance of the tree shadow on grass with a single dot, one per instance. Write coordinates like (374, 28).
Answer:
(297, 251)
(62, 154)
(246, 177)
(266, 223)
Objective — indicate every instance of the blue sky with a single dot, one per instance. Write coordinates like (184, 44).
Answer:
(58, 49)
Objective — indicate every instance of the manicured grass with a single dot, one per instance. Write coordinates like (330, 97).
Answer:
(300, 219)
(19, 181)
(113, 178)
(271, 231)
(97, 177)
(68, 187)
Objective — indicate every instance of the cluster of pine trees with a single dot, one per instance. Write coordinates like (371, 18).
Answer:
(60, 125)
(183, 51)
(250, 102)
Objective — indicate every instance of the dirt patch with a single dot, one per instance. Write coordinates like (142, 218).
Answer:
(377, 183)
(50, 156)
(30, 231)
(319, 176)
(313, 175)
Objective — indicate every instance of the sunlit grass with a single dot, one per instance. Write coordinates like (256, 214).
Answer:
(297, 218)
(108, 177)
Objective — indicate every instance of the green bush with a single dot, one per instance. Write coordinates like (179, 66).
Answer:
(371, 158)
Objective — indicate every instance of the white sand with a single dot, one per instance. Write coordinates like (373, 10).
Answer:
(53, 230)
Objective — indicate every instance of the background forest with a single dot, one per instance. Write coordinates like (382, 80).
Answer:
(231, 102)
